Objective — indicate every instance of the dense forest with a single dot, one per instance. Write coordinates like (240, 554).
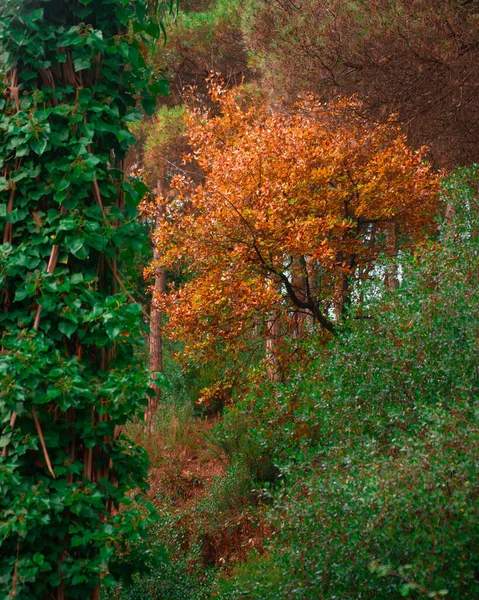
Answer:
(239, 278)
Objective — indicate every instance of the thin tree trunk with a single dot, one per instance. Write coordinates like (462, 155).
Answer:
(391, 250)
(156, 329)
(273, 331)
(299, 281)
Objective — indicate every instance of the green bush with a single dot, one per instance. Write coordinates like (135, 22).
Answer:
(382, 500)
(374, 447)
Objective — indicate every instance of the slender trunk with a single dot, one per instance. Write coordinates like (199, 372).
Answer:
(273, 330)
(299, 281)
(342, 296)
(312, 284)
(156, 340)
(391, 250)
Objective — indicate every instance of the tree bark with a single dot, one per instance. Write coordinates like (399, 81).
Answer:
(156, 327)
(273, 331)
(300, 283)
(391, 250)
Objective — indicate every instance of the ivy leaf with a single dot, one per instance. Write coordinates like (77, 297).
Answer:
(67, 328)
(39, 146)
(62, 185)
(160, 87)
(33, 16)
(5, 440)
(77, 247)
(21, 294)
(149, 105)
(113, 330)
(153, 30)
(80, 64)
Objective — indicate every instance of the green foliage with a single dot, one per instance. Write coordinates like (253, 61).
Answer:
(69, 330)
(179, 574)
(380, 499)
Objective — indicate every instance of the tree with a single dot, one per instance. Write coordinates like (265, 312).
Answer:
(416, 58)
(163, 148)
(69, 376)
(305, 196)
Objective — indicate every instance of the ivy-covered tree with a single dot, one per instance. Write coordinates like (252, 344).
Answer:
(73, 74)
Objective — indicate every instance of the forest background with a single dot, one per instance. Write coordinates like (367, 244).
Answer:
(317, 296)
(312, 296)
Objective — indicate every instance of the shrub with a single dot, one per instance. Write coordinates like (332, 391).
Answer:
(387, 504)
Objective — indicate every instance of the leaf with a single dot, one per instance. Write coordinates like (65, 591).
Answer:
(67, 328)
(39, 146)
(68, 223)
(62, 185)
(80, 64)
(34, 15)
(77, 247)
(5, 440)
(21, 294)
(113, 330)
(160, 87)
(149, 105)
(153, 30)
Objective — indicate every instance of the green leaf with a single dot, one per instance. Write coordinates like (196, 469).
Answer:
(68, 223)
(80, 64)
(21, 294)
(67, 328)
(5, 440)
(160, 87)
(62, 185)
(39, 146)
(34, 15)
(149, 105)
(153, 30)
(77, 247)
(113, 330)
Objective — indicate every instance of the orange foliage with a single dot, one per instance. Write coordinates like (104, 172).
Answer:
(290, 206)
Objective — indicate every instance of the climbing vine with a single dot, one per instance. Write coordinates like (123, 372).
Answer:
(73, 76)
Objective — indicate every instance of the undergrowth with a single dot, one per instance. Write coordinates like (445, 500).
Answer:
(358, 477)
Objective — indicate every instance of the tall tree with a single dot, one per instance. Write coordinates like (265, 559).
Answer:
(163, 150)
(416, 58)
(69, 378)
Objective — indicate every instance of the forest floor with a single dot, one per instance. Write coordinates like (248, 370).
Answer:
(188, 480)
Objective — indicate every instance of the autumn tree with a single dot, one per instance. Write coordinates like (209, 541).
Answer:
(293, 208)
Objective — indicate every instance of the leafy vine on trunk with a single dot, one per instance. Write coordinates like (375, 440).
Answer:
(71, 75)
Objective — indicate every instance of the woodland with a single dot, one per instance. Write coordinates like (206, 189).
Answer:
(239, 273)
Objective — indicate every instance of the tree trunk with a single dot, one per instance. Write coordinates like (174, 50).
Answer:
(391, 250)
(156, 329)
(273, 331)
(300, 283)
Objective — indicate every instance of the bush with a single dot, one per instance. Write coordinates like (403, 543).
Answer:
(387, 503)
